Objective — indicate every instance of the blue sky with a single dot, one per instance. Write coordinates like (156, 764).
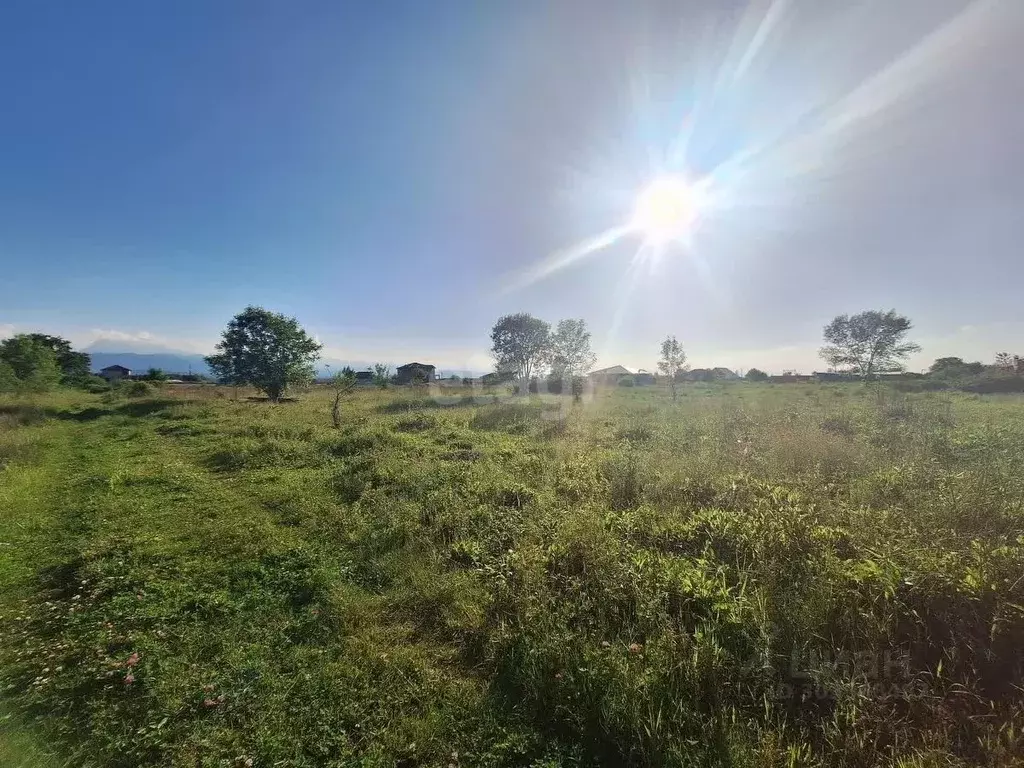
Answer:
(388, 172)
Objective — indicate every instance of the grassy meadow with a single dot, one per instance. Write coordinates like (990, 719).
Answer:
(754, 575)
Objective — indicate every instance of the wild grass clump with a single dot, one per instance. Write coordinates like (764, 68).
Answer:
(243, 453)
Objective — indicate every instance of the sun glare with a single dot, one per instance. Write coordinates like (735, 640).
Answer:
(666, 210)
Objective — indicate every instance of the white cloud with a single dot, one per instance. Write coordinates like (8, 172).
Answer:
(114, 335)
(129, 341)
(6, 329)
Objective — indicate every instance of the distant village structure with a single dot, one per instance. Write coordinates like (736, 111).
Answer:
(406, 374)
(611, 375)
(615, 374)
(115, 373)
(708, 374)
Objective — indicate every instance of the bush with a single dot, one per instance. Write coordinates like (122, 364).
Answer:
(993, 383)
(627, 381)
(137, 389)
(579, 386)
(531, 387)
(93, 384)
(8, 381)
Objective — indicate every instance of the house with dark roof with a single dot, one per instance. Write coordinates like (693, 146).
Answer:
(497, 377)
(410, 372)
(708, 374)
(610, 375)
(113, 373)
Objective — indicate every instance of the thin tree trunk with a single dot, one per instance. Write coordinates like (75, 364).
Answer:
(336, 410)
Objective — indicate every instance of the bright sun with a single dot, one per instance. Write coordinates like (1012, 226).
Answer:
(665, 210)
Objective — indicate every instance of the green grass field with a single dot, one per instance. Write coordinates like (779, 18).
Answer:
(755, 575)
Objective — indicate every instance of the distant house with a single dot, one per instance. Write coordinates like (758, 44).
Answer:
(496, 377)
(364, 377)
(113, 373)
(644, 378)
(708, 374)
(611, 375)
(414, 372)
(790, 378)
(694, 374)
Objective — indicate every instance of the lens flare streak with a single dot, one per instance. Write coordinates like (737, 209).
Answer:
(815, 139)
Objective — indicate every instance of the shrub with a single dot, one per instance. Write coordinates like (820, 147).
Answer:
(993, 383)
(93, 384)
(137, 389)
(8, 381)
(627, 381)
(579, 385)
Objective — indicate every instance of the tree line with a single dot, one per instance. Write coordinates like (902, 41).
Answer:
(36, 362)
(270, 351)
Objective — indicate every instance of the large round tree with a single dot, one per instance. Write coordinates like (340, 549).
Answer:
(265, 349)
(520, 344)
(868, 343)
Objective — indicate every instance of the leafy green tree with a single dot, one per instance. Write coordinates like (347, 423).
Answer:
(265, 349)
(570, 351)
(1011, 363)
(954, 367)
(74, 366)
(755, 374)
(155, 374)
(869, 342)
(33, 363)
(945, 365)
(8, 381)
(381, 375)
(520, 344)
(673, 361)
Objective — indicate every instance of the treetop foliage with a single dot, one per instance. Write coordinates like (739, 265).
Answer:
(266, 350)
(673, 361)
(868, 343)
(570, 353)
(73, 365)
(29, 363)
(524, 346)
(520, 343)
(756, 374)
